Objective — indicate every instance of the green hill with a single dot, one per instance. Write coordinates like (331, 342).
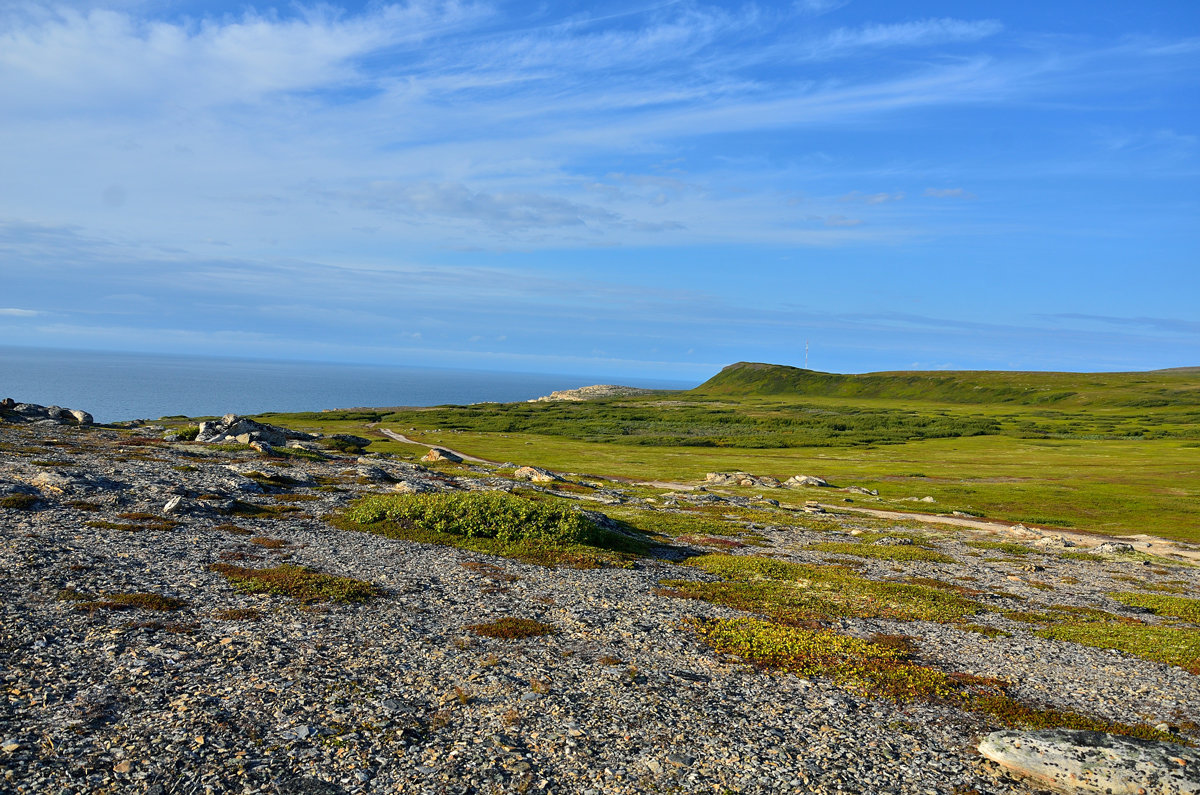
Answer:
(1178, 387)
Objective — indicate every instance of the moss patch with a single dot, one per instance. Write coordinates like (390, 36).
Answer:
(1161, 604)
(512, 628)
(884, 670)
(1171, 645)
(129, 601)
(19, 502)
(300, 583)
(901, 552)
(796, 592)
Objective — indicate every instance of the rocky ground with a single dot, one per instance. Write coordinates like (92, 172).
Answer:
(235, 692)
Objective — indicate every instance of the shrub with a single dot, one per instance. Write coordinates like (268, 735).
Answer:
(504, 517)
(188, 433)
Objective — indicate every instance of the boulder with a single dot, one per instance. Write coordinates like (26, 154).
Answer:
(741, 479)
(861, 490)
(1075, 761)
(1114, 548)
(1053, 542)
(440, 454)
(232, 428)
(536, 475)
(805, 480)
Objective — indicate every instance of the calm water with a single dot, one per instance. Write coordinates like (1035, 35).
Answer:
(125, 386)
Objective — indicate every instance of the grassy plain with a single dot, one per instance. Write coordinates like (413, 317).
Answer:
(1108, 453)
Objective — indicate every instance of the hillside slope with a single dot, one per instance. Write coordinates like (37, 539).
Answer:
(1180, 387)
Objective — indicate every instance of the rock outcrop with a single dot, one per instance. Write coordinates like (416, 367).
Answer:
(805, 480)
(594, 392)
(232, 429)
(12, 411)
(740, 479)
(1074, 761)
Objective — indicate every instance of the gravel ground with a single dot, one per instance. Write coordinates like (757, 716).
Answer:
(396, 695)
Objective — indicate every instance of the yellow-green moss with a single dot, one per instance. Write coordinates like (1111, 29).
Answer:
(298, 582)
(793, 592)
(1161, 604)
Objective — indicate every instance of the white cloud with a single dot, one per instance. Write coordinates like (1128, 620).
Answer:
(10, 312)
(948, 193)
(922, 33)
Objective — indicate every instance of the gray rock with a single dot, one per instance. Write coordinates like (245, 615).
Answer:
(1113, 548)
(893, 541)
(1085, 761)
(805, 480)
(536, 474)
(1053, 542)
(439, 454)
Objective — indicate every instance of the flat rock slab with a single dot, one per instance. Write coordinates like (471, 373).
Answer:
(1084, 761)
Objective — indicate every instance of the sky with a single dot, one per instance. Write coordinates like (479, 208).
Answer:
(620, 188)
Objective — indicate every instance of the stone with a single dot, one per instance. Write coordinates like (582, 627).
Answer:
(536, 475)
(1113, 548)
(1053, 542)
(893, 541)
(805, 480)
(741, 479)
(232, 428)
(1094, 762)
(173, 505)
(861, 490)
(440, 454)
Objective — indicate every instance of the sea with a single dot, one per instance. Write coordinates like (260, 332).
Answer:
(129, 386)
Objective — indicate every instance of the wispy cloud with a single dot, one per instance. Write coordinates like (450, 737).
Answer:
(921, 33)
(11, 312)
(948, 193)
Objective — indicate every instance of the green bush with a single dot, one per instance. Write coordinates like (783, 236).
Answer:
(188, 433)
(504, 517)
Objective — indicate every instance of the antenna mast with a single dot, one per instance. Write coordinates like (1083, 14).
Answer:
(806, 354)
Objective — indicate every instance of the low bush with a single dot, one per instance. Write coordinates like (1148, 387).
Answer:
(495, 523)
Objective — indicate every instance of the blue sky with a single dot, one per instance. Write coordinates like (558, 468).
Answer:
(626, 189)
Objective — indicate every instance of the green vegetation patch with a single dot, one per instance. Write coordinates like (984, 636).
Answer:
(19, 502)
(797, 592)
(495, 523)
(1179, 607)
(513, 628)
(1007, 547)
(885, 670)
(129, 601)
(135, 522)
(1171, 645)
(902, 552)
(298, 582)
